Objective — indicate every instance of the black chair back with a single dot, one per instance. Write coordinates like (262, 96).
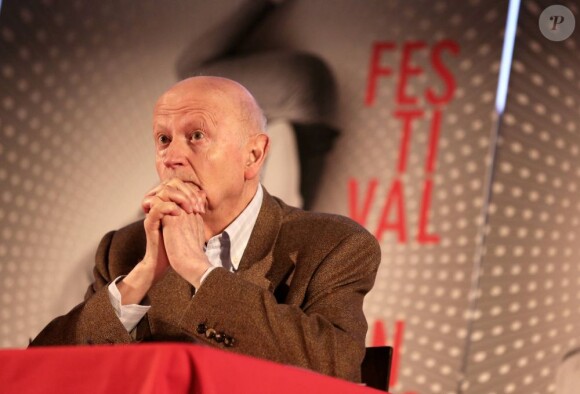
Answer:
(376, 367)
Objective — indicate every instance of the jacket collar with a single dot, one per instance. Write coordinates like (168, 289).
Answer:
(257, 265)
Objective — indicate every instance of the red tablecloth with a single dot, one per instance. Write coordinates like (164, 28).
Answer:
(155, 368)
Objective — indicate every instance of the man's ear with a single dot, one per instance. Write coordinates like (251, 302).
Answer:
(258, 147)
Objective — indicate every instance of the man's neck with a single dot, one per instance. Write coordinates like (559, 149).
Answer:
(216, 221)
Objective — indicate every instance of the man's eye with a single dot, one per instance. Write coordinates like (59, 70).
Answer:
(163, 139)
(197, 135)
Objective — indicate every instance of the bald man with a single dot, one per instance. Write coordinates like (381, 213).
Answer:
(218, 260)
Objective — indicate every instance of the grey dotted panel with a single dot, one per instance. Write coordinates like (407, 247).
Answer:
(78, 85)
(527, 316)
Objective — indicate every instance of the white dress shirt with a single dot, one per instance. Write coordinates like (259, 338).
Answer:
(222, 250)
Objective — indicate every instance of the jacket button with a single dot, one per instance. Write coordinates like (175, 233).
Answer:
(210, 333)
(201, 328)
(229, 341)
(219, 337)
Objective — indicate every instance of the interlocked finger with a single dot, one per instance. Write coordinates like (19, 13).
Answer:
(183, 194)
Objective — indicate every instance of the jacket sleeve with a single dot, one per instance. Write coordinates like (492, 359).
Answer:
(93, 321)
(325, 333)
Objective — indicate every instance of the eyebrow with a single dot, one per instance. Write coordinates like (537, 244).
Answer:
(195, 123)
(159, 127)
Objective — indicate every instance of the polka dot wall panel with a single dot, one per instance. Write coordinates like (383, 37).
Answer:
(78, 80)
(527, 316)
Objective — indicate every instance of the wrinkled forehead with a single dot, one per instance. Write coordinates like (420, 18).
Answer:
(180, 97)
(210, 106)
(218, 101)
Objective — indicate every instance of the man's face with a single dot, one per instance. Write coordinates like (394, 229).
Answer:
(199, 139)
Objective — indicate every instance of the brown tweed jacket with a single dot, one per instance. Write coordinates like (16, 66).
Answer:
(295, 299)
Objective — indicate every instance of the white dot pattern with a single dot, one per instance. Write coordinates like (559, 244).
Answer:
(527, 316)
(79, 82)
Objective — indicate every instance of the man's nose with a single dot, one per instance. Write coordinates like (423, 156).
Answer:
(175, 154)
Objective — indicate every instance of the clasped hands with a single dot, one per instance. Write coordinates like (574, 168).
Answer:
(175, 234)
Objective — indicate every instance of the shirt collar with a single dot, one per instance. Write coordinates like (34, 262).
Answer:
(240, 229)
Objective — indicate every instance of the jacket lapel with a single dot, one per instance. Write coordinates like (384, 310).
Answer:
(265, 262)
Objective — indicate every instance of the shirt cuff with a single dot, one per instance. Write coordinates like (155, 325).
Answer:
(129, 315)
